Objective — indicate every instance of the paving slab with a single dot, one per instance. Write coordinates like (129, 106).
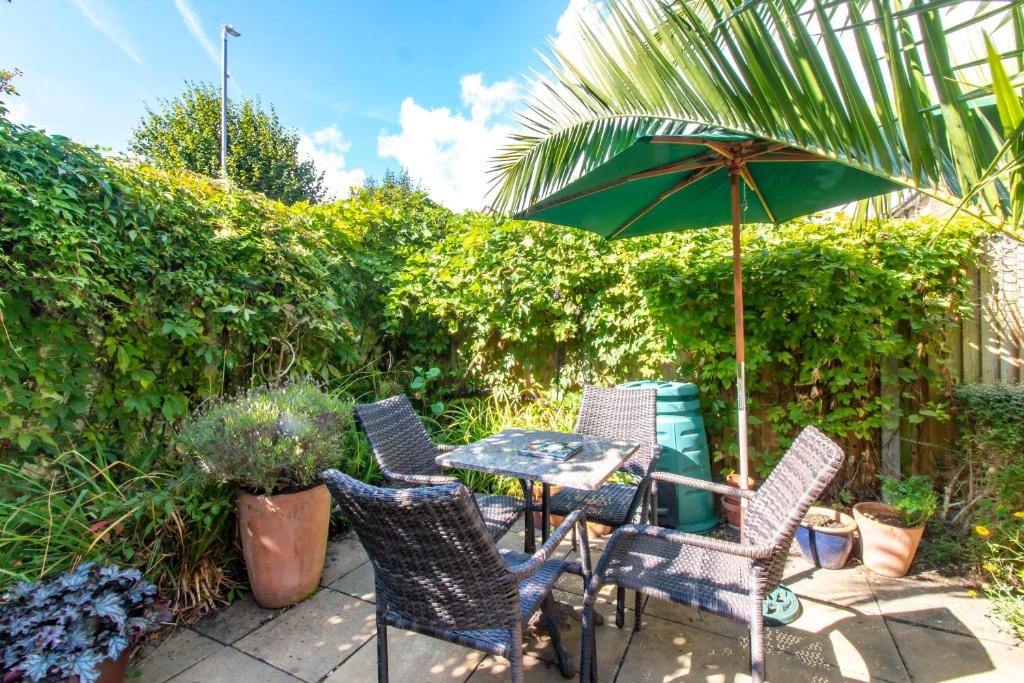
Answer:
(313, 638)
(412, 657)
(664, 651)
(849, 586)
(858, 646)
(496, 670)
(343, 555)
(231, 665)
(937, 656)
(937, 603)
(358, 583)
(611, 641)
(178, 651)
(238, 619)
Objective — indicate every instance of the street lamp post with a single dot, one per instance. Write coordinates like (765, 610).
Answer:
(225, 31)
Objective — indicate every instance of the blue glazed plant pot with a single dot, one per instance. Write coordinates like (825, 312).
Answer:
(827, 546)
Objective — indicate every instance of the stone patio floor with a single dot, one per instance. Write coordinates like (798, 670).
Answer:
(855, 626)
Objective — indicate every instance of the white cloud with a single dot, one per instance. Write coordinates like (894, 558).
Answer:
(191, 19)
(448, 153)
(326, 148)
(106, 28)
(18, 112)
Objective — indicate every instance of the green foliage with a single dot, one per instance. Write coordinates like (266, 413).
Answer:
(6, 86)
(65, 627)
(988, 485)
(183, 133)
(900, 97)
(178, 530)
(832, 311)
(270, 439)
(913, 498)
(129, 294)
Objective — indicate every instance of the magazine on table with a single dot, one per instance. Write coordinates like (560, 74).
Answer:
(551, 450)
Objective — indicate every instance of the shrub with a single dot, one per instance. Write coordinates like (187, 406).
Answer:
(68, 625)
(988, 489)
(913, 498)
(271, 439)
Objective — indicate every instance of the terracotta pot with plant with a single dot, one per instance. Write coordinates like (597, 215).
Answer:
(890, 533)
(80, 625)
(731, 504)
(275, 442)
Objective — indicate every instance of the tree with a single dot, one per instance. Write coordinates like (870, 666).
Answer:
(184, 133)
(877, 84)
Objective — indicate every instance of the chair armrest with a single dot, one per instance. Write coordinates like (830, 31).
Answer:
(720, 489)
(575, 518)
(418, 479)
(753, 552)
(445, 448)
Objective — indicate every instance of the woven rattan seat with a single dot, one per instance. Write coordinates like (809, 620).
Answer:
(627, 415)
(406, 457)
(438, 572)
(722, 577)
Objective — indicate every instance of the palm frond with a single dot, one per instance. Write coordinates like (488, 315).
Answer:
(876, 84)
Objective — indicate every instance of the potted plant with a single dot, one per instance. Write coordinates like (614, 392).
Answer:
(275, 442)
(81, 624)
(731, 504)
(890, 533)
(825, 537)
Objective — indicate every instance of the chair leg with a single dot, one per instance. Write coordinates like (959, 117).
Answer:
(620, 606)
(588, 642)
(515, 658)
(756, 638)
(382, 652)
(574, 543)
(638, 611)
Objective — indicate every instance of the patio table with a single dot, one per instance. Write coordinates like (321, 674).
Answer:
(588, 469)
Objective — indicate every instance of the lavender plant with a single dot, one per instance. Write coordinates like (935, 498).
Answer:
(271, 438)
(68, 625)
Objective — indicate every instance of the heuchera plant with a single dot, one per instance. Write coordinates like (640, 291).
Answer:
(68, 625)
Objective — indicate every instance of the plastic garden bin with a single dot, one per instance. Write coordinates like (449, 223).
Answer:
(685, 451)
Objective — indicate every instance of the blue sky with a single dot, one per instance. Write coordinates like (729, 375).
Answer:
(371, 85)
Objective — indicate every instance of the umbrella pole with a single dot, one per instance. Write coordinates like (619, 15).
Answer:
(741, 355)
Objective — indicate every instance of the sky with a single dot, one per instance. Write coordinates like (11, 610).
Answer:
(429, 86)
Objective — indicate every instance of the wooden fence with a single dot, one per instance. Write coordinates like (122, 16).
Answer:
(987, 346)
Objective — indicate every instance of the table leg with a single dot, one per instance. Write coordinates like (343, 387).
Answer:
(545, 514)
(530, 544)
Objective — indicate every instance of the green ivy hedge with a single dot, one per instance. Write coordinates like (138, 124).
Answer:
(833, 311)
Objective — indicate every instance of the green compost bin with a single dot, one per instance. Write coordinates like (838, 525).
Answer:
(684, 451)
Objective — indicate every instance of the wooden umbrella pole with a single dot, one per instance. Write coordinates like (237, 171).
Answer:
(741, 355)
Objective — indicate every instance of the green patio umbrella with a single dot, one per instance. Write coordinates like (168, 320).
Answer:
(675, 183)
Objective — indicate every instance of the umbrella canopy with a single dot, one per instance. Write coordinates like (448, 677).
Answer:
(675, 183)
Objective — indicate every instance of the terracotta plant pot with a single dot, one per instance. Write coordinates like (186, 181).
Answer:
(284, 542)
(827, 546)
(731, 504)
(886, 549)
(593, 528)
(111, 670)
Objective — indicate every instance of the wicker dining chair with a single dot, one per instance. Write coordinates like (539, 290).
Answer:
(627, 415)
(718, 576)
(406, 457)
(438, 572)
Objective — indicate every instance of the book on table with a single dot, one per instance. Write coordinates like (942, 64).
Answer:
(552, 450)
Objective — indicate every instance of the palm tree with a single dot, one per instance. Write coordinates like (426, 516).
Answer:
(871, 83)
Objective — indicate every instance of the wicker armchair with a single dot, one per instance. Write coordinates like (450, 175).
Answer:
(629, 415)
(723, 577)
(406, 457)
(438, 572)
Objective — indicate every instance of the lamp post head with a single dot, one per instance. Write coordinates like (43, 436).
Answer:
(230, 30)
